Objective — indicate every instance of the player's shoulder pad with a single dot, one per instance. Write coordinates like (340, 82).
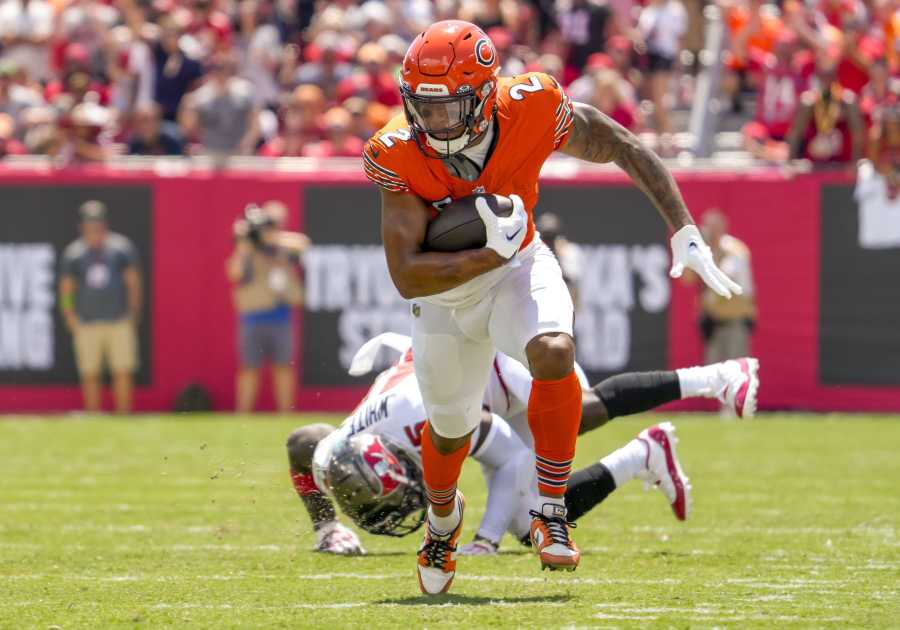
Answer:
(384, 155)
(543, 99)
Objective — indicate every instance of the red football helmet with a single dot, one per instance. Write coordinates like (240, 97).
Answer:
(449, 86)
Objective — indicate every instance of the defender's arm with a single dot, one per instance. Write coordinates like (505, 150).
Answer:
(404, 218)
(596, 137)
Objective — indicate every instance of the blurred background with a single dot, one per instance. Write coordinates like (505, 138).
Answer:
(236, 262)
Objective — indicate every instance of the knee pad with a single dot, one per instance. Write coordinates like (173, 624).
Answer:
(454, 420)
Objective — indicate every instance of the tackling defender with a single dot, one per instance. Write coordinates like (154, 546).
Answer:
(467, 130)
(370, 465)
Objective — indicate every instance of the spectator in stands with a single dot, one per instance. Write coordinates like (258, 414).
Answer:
(267, 288)
(85, 23)
(259, 43)
(81, 138)
(360, 124)
(100, 296)
(828, 127)
(8, 143)
(340, 142)
(77, 80)
(222, 113)
(584, 26)
(15, 99)
(324, 65)
(154, 136)
(608, 97)
(662, 25)
(176, 74)
(881, 91)
(373, 81)
(488, 14)
(780, 86)
(129, 66)
(300, 123)
(859, 51)
(726, 324)
(211, 28)
(26, 27)
(755, 28)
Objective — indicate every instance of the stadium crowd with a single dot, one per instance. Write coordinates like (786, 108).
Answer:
(82, 80)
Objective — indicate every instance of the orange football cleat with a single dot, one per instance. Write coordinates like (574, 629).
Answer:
(551, 539)
(436, 564)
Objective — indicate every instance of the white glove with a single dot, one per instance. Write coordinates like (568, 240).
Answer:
(478, 547)
(504, 234)
(689, 250)
(335, 538)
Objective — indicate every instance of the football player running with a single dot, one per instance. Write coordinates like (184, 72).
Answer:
(467, 130)
(371, 467)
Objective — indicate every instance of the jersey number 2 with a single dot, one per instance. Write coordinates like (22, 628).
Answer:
(519, 90)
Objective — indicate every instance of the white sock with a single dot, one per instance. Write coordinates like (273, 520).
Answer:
(626, 462)
(552, 506)
(697, 381)
(443, 525)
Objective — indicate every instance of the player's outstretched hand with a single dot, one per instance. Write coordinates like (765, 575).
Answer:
(504, 234)
(337, 539)
(689, 250)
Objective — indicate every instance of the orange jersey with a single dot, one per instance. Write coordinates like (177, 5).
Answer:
(534, 118)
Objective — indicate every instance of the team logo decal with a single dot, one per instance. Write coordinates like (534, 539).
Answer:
(385, 466)
(484, 52)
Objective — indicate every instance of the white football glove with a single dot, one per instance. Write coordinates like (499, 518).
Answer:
(689, 250)
(335, 538)
(504, 234)
(478, 547)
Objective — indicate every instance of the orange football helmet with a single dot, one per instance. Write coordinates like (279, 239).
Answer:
(449, 86)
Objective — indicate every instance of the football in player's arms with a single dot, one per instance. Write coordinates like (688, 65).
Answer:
(370, 465)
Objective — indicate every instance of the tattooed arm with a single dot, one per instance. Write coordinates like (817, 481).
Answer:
(595, 137)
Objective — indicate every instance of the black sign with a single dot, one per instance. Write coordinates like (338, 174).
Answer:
(623, 290)
(859, 289)
(623, 287)
(36, 225)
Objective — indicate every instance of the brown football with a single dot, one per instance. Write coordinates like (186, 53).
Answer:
(459, 227)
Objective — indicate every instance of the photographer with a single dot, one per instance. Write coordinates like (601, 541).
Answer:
(265, 273)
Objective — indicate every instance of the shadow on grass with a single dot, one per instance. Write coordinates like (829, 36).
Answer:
(474, 600)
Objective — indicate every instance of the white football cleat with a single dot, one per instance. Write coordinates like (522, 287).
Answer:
(739, 385)
(337, 539)
(479, 547)
(436, 561)
(664, 470)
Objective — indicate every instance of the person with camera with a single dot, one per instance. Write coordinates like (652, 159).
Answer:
(264, 270)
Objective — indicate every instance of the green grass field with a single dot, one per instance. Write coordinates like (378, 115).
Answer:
(193, 523)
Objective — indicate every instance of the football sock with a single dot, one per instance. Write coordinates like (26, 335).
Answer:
(588, 487)
(554, 416)
(697, 381)
(444, 524)
(441, 472)
(634, 392)
(625, 463)
(319, 506)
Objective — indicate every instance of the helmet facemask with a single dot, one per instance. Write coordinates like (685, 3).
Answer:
(445, 124)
